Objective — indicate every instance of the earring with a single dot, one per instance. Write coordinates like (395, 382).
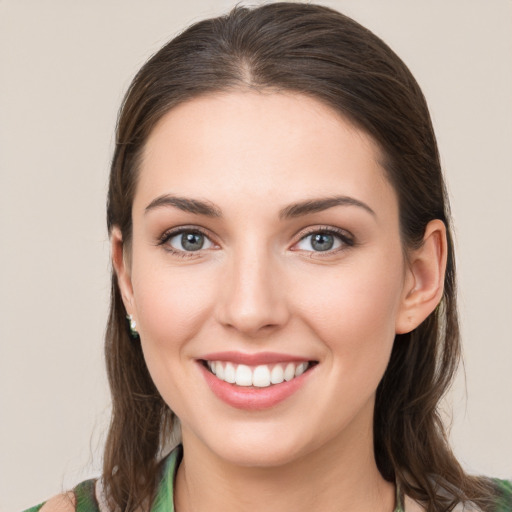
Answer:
(133, 327)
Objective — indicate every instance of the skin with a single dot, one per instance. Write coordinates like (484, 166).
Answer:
(258, 285)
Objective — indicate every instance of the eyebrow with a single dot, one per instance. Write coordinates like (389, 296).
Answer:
(187, 205)
(321, 204)
(309, 206)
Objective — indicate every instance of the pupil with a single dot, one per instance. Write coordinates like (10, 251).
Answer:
(192, 241)
(322, 242)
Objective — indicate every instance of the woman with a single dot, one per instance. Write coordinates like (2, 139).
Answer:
(282, 249)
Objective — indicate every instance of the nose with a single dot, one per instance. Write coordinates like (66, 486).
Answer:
(253, 299)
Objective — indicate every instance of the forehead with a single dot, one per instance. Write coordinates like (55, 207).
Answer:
(276, 147)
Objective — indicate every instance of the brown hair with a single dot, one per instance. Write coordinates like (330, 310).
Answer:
(321, 53)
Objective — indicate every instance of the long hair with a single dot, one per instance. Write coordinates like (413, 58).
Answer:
(318, 52)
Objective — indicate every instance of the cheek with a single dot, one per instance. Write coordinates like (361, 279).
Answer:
(353, 311)
(171, 303)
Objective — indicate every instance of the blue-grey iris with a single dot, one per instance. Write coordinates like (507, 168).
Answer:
(192, 241)
(322, 241)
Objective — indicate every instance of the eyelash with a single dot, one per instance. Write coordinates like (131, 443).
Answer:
(179, 231)
(346, 239)
(343, 236)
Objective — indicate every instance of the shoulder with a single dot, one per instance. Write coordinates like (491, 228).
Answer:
(499, 501)
(504, 495)
(65, 502)
(81, 499)
(90, 495)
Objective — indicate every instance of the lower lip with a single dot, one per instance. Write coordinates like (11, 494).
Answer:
(252, 398)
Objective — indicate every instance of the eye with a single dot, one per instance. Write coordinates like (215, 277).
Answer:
(188, 241)
(323, 241)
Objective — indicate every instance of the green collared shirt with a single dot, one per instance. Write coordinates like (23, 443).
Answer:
(87, 501)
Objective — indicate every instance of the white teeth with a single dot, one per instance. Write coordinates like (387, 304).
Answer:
(260, 376)
(243, 376)
(289, 372)
(300, 369)
(219, 370)
(229, 373)
(277, 374)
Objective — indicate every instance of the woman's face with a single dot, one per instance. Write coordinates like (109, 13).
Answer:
(265, 244)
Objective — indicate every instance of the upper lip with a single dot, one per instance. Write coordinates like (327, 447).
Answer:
(253, 359)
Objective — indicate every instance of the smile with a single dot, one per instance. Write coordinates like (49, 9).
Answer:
(261, 376)
(255, 382)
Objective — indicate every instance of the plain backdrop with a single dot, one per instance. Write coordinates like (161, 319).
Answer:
(64, 66)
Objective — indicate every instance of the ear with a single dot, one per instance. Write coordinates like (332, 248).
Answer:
(121, 264)
(424, 280)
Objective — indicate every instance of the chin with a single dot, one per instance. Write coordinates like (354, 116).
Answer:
(258, 446)
(264, 455)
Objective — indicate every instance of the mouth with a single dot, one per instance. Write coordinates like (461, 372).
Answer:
(255, 382)
(257, 376)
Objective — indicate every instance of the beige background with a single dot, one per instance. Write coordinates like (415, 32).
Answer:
(64, 67)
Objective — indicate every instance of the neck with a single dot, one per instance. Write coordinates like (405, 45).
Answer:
(337, 476)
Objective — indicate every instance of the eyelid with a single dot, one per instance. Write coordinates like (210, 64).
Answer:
(172, 232)
(346, 238)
